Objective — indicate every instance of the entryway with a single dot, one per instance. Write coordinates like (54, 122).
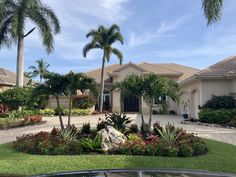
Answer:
(131, 104)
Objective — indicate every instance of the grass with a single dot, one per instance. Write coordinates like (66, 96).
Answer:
(221, 158)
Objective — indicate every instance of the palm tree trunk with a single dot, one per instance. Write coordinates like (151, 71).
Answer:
(20, 63)
(69, 115)
(41, 79)
(60, 118)
(102, 82)
(150, 115)
(141, 110)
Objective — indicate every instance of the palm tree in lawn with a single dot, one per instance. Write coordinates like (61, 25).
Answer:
(157, 87)
(13, 17)
(55, 85)
(103, 38)
(212, 10)
(40, 69)
(133, 85)
(78, 82)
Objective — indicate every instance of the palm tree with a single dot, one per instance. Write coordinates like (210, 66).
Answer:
(212, 10)
(156, 87)
(103, 38)
(78, 82)
(55, 85)
(13, 17)
(133, 85)
(40, 69)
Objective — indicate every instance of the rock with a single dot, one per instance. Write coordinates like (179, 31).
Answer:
(111, 138)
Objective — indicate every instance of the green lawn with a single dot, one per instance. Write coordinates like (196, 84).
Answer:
(222, 157)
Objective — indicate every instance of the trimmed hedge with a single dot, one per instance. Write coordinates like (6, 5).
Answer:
(218, 116)
(220, 102)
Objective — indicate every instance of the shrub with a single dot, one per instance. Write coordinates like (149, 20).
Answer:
(101, 124)
(77, 112)
(58, 110)
(219, 116)
(144, 128)
(47, 112)
(118, 121)
(68, 134)
(83, 101)
(133, 128)
(199, 148)
(156, 127)
(220, 102)
(185, 151)
(90, 145)
(15, 97)
(3, 109)
(86, 128)
(171, 152)
(34, 119)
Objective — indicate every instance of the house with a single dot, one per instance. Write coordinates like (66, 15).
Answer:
(8, 79)
(218, 79)
(115, 73)
(197, 86)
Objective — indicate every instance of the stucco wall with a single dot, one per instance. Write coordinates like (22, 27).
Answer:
(4, 87)
(64, 102)
(217, 87)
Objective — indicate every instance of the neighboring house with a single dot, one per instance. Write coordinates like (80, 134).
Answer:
(218, 79)
(8, 79)
(113, 101)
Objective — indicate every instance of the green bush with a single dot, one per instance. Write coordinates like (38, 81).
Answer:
(86, 128)
(83, 101)
(199, 148)
(118, 121)
(220, 102)
(185, 151)
(133, 128)
(46, 112)
(77, 112)
(219, 116)
(59, 110)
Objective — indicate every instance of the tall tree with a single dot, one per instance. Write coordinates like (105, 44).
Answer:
(133, 85)
(212, 10)
(155, 88)
(13, 17)
(39, 70)
(103, 38)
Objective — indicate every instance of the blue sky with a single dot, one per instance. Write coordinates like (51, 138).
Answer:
(157, 31)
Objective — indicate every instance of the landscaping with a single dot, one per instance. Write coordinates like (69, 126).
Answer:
(221, 157)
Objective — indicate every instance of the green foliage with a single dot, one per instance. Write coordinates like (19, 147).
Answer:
(47, 112)
(68, 134)
(86, 128)
(133, 128)
(101, 124)
(218, 116)
(220, 102)
(118, 121)
(15, 97)
(83, 101)
(169, 135)
(144, 128)
(77, 112)
(92, 145)
(185, 151)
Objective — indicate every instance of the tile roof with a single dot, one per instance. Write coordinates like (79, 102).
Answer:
(9, 78)
(168, 69)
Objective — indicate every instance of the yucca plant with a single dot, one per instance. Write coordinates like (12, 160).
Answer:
(68, 134)
(169, 134)
(118, 121)
(92, 145)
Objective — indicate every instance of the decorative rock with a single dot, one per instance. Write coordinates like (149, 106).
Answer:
(111, 138)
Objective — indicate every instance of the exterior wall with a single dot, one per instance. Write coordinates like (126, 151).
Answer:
(4, 87)
(64, 102)
(216, 87)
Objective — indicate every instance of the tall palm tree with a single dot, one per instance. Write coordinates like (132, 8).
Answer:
(103, 38)
(212, 10)
(40, 69)
(13, 17)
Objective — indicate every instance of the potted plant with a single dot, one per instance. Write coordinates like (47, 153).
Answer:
(185, 106)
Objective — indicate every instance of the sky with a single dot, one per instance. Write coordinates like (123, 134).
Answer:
(155, 31)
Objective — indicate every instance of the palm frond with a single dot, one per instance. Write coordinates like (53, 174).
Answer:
(118, 53)
(88, 47)
(212, 10)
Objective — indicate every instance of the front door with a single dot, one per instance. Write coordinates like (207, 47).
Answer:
(131, 104)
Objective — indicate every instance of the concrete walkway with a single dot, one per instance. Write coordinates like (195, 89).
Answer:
(215, 133)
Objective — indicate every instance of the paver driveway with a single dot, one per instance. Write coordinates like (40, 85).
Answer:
(220, 134)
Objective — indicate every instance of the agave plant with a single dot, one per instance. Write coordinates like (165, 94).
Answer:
(118, 121)
(68, 134)
(169, 134)
(92, 145)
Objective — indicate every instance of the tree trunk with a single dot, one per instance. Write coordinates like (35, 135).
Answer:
(69, 115)
(102, 82)
(150, 115)
(60, 118)
(141, 110)
(20, 63)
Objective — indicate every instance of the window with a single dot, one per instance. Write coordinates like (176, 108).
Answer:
(160, 99)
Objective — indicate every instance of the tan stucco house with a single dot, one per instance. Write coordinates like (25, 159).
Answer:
(197, 86)
(8, 79)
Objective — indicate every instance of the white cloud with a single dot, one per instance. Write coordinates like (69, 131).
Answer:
(164, 30)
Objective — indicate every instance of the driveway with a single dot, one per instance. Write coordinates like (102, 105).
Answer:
(220, 134)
